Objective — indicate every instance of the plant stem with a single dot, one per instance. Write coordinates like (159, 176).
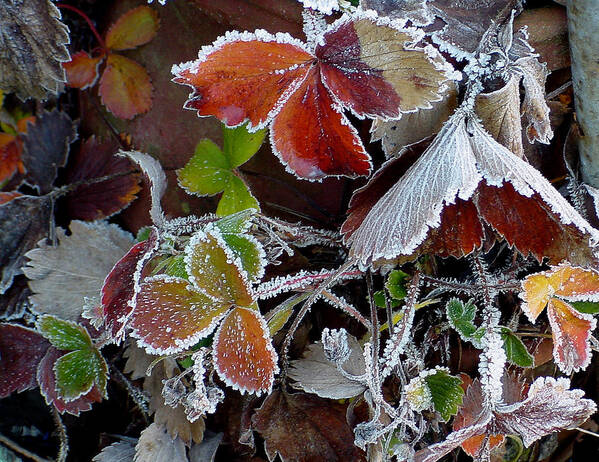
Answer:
(24, 452)
(89, 23)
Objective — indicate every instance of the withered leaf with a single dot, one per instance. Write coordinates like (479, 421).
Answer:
(63, 276)
(417, 11)
(23, 222)
(46, 148)
(121, 451)
(302, 427)
(500, 114)
(156, 445)
(414, 126)
(32, 40)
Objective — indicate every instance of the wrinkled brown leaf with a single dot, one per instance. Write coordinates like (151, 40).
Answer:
(156, 445)
(121, 451)
(500, 113)
(305, 428)
(32, 40)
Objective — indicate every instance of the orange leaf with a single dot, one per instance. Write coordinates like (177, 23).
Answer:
(8, 196)
(82, 70)
(134, 28)
(125, 87)
(23, 123)
(243, 354)
(10, 156)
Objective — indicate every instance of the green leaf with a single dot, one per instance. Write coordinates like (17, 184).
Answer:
(515, 350)
(460, 316)
(207, 172)
(249, 251)
(446, 392)
(65, 335)
(143, 234)
(396, 284)
(236, 197)
(239, 145)
(175, 266)
(236, 223)
(379, 300)
(78, 371)
(586, 307)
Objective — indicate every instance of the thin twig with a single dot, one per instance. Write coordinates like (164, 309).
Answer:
(588, 432)
(339, 302)
(63, 450)
(24, 452)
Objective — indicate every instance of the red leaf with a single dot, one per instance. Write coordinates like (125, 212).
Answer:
(303, 428)
(170, 315)
(47, 383)
(243, 354)
(103, 199)
(122, 285)
(134, 28)
(360, 63)
(82, 70)
(10, 156)
(313, 138)
(8, 196)
(21, 350)
(125, 87)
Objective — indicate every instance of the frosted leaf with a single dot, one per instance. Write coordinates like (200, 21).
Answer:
(550, 406)
(314, 373)
(417, 11)
(448, 168)
(301, 280)
(162, 2)
(202, 401)
(594, 193)
(173, 391)
(121, 451)
(534, 107)
(315, 26)
(206, 450)
(418, 394)
(155, 175)
(367, 433)
(156, 445)
(324, 6)
(62, 277)
(335, 345)
(414, 126)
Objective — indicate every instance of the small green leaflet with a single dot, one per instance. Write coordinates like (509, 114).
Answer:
(83, 367)
(515, 350)
(396, 288)
(212, 170)
(586, 307)
(461, 316)
(446, 392)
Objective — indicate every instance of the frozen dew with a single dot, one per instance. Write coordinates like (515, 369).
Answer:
(336, 347)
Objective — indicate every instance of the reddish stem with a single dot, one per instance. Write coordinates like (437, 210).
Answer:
(89, 23)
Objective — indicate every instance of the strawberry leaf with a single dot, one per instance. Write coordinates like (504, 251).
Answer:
(515, 350)
(134, 28)
(207, 171)
(586, 307)
(461, 316)
(446, 392)
(64, 335)
(395, 284)
(125, 87)
(78, 371)
(236, 197)
(239, 145)
(82, 70)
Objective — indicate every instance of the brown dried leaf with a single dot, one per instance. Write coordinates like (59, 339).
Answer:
(303, 427)
(121, 451)
(500, 113)
(534, 107)
(414, 126)
(32, 40)
(156, 445)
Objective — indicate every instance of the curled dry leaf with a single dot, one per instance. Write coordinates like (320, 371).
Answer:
(34, 42)
(314, 373)
(302, 427)
(125, 87)
(414, 127)
(23, 222)
(46, 147)
(156, 445)
(472, 182)
(62, 277)
(559, 289)
(500, 114)
(362, 63)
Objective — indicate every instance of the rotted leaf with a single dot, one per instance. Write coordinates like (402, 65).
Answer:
(63, 276)
(125, 87)
(82, 70)
(98, 200)
(46, 147)
(21, 350)
(556, 289)
(355, 63)
(314, 373)
(156, 445)
(414, 126)
(33, 40)
(49, 388)
(301, 427)
(515, 350)
(134, 28)
(500, 114)
(24, 220)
